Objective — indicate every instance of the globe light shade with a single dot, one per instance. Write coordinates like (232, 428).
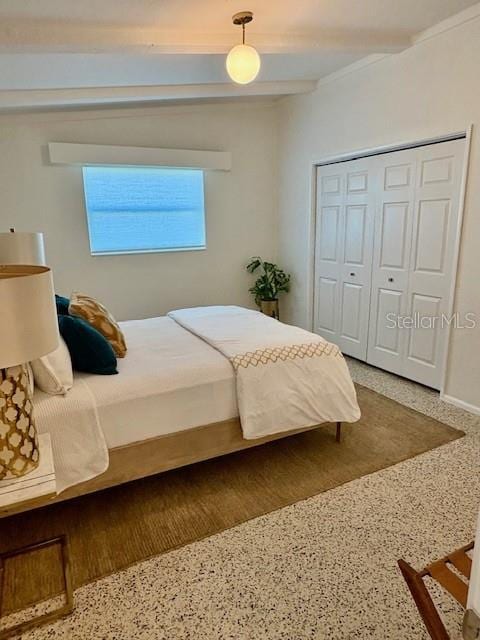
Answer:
(243, 63)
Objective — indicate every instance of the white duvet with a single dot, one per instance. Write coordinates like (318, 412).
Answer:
(286, 378)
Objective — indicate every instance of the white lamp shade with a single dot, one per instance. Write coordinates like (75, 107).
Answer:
(243, 63)
(28, 316)
(21, 248)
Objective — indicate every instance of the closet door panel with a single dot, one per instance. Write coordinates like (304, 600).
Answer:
(387, 335)
(331, 184)
(397, 176)
(329, 228)
(391, 256)
(436, 210)
(354, 240)
(431, 236)
(355, 275)
(351, 306)
(344, 239)
(329, 222)
(424, 335)
(327, 305)
(393, 240)
(356, 257)
(357, 181)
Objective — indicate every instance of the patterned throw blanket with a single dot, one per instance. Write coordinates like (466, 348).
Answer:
(287, 378)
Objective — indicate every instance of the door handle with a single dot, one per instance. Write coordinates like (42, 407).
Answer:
(390, 279)
(352, 273)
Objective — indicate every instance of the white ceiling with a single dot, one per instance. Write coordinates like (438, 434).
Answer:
(68, 44)
(213, 16)
(51, 71)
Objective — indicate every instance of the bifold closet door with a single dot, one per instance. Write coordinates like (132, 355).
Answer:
(414, 241)
(343, 256)
(391, 258)
(386, 228)
(435, 226)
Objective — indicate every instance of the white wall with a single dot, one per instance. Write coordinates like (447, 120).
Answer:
(432, 88)
(240, 204)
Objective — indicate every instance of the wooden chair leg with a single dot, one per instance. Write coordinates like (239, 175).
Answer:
(424, 602)
(338, 434)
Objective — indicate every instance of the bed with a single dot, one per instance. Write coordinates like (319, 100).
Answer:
(180, 392)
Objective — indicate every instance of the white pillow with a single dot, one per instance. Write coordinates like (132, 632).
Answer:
(53, 373)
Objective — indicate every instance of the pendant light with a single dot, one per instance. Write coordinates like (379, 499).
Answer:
(243, 61)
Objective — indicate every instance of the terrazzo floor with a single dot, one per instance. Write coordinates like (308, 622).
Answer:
(324, 568)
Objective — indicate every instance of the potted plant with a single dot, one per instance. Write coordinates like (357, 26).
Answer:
(271, 281)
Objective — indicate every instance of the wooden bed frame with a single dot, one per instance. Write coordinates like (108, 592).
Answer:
(163, 453)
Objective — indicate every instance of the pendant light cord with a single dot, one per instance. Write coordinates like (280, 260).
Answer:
(243, 33)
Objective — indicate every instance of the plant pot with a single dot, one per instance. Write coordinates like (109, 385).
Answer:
(270, 308)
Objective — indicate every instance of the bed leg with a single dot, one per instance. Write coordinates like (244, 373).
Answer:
(338, 434)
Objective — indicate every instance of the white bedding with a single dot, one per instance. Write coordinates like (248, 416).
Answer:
(79, 448)
(169, 381)
(286, 378)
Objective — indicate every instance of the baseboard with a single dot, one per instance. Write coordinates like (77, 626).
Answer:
(460, 403)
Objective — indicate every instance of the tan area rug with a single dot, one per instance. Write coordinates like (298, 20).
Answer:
(112, 529)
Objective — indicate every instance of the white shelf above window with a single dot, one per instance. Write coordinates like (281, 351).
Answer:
(112, 155)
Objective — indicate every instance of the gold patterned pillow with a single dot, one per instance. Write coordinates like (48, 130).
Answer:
(100, 318)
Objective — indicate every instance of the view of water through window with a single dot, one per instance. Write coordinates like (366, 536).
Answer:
(141, 209)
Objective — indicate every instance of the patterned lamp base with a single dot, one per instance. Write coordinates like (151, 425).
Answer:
(19, 453)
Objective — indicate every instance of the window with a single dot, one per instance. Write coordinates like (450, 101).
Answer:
(143, 209)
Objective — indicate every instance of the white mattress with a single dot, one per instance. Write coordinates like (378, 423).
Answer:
(169, 381)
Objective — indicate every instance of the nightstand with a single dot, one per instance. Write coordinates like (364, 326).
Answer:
(26, 491)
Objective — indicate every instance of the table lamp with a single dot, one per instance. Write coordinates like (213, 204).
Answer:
(20, 247)
(28, 330)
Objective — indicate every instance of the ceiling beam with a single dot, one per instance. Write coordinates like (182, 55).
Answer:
(64, 37)
(125, 96)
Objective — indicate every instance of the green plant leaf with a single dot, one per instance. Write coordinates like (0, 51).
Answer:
(270, 283)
